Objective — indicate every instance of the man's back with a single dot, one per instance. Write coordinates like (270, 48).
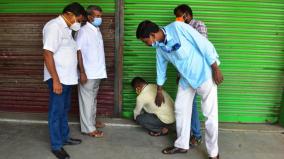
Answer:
(146, 100)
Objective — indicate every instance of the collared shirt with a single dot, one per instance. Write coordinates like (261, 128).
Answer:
(146, 101)
(193, 59)
(90, 42)
(57, 38)
(199, 26)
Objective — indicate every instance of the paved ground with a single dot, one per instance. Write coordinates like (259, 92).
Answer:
(124, 140)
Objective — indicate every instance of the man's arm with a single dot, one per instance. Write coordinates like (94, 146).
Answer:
(161, 67)
(159, 96)
(51, 41)
(217, 74)
(83, 76)
(50, 65)
(138, 108)
(80, 40)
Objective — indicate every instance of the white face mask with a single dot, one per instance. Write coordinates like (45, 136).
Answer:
(76, 26)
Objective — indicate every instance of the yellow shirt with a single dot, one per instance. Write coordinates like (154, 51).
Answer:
(146, 100)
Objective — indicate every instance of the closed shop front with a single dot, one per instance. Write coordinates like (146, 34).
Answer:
(248, 36)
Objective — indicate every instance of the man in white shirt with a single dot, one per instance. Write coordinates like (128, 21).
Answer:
(156, 119)
(60, 73)
(92, 69)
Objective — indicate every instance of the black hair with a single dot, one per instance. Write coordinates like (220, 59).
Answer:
(76, 8)
(90, 8)
(183, 8)
(145, 28)
(137, 80)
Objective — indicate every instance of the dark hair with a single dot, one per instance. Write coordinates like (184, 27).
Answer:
(76, 8)
(90, 8)
(145, 28)
(181, 9)
(137, 80)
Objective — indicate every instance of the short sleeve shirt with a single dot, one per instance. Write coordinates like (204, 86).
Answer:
(57, 38)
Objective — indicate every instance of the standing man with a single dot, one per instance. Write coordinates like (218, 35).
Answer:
(183, 13)
(60, 73)
(92, 69)
(156, 120)
(196, 60)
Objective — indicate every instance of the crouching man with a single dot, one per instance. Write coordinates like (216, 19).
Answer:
(156, 119)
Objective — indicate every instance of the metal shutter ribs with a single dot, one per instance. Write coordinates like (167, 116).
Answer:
(249, 37)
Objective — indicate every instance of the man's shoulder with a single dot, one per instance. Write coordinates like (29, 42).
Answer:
(196, 22)
(175, 24)
(52, 24)
(152, 85)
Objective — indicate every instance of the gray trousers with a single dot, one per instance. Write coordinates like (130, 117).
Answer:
(151, 122)
(88, 104)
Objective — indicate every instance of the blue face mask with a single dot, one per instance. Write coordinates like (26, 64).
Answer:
(97, 22)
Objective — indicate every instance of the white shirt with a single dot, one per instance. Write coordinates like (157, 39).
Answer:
(146, 101)
(90, 42)
(57, 38)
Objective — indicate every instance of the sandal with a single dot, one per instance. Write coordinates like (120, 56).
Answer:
(96, 133)
(156, 134)
(100, 124)
(173, 150)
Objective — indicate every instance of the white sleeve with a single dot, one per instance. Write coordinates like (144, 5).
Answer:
(80, 39)
(51, 37)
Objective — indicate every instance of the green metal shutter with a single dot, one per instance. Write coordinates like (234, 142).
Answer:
(50, 6)
(249, 37)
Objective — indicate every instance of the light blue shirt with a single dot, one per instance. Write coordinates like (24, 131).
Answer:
(192, 57)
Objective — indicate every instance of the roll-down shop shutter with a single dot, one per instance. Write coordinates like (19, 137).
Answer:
(21, 64)
(248, 36)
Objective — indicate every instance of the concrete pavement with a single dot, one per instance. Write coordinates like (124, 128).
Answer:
(20, 139)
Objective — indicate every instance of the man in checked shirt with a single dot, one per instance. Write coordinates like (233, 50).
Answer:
(184, 13)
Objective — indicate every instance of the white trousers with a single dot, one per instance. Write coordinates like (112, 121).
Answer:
(209, 107)
(88, 104)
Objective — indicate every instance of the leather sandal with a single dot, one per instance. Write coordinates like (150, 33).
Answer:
(173, 150)
(96, 133)
(156, 134)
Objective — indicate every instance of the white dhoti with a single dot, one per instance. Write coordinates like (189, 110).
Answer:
(209, 107)
(88, 104)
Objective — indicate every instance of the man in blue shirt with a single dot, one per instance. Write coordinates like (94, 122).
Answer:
(197, 62)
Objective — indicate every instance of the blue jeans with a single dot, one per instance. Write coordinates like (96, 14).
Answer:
(58, 108)
(195, 123)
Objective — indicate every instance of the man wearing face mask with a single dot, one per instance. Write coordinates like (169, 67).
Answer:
(155, 119)
(196, 59)
(92, 68)
(60, 74)
(183, 13)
